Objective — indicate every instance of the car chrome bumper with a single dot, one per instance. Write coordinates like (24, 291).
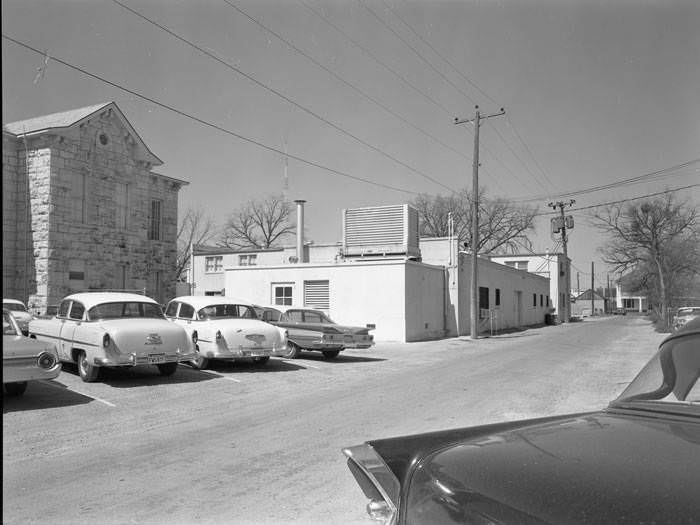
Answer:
(242, 351)
(149, 359)
(26, 369)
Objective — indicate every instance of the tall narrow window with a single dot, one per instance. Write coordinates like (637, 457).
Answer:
(155, 220)
(497, 299)
(77, 197)
(122, 203)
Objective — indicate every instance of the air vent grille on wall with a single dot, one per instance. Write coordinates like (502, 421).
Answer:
(381, 230)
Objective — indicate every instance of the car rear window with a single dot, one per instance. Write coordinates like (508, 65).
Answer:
(125, 309)
(15, 307)
(224, 311)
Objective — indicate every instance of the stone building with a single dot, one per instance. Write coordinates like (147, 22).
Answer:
(82, 209)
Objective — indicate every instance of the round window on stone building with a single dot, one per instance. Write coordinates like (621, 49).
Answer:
(104, 139)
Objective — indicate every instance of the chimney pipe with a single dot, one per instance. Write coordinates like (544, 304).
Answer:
(300, 230)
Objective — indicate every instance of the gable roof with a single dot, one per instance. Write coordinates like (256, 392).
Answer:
(587, 296)
(65, 120)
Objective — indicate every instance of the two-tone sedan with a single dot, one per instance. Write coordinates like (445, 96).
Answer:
(111, 329)
(226, 328)
(637, 461)
(20, 313)
(24, 359)
(312, 329)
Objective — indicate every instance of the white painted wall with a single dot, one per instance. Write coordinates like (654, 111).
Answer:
(360, 293)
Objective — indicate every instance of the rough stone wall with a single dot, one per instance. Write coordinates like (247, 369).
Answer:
(10, 206)
(114, 257)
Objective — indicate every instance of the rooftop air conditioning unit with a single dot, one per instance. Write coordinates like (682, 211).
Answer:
(381, 230)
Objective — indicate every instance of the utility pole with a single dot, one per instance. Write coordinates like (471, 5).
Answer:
(607, 297)
(578, 284)
(474, 302)
(592, 292)
(567, 270)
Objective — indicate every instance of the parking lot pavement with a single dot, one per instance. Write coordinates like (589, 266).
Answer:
(243, 443)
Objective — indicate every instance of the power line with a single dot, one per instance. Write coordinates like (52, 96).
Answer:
(353, 87)
(622, 200)
(280, 95)
(512, 125)
(438, 54)
(204, 122)
(381, 21)
(634, 180)
(468, 80)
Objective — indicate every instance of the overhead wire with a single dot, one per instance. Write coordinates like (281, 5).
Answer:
(621, 200)
(469, 81)
(350, 85)
(205, 122)
(281, 95)
(659, 174)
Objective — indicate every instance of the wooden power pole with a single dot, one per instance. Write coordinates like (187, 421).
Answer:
(567, 270)
(474, 302)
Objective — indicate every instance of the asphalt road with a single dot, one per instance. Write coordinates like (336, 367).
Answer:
(246, 444)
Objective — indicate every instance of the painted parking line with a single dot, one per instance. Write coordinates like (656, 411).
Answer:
(305, 365)
(221, 376)
(82, 394)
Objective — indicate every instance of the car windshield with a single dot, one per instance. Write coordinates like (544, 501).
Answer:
(125, 309)
(688, 311)
(8, 325)
(670, 378)
(227, 311)
(15, 307)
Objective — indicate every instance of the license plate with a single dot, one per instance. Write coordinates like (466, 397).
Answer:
(154, 359)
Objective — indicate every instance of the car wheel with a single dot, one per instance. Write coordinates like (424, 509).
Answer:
(293, 352)
(88, 372)
(199, 362)
(330, 354)
(167, 369)
(15, 389)
(261, 360)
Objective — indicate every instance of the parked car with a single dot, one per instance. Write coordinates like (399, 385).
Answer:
(110, 329)
(226, 328)
(637, 461)
(20, 313)
(619, 311)
(24, 359)
(683, 315)
(312, 329)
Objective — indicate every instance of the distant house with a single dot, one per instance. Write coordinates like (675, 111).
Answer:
(588, 303)
(83, 210)
(632, 301)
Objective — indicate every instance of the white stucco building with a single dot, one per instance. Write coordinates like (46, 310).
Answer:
(422, 293)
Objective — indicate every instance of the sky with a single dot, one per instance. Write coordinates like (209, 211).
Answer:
(362, 94)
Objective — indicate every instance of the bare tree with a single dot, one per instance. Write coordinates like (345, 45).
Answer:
(194, 228)
(259, 223)
(503, 226)
(656, 240)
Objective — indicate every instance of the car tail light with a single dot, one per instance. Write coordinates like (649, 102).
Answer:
(377, 482)
(46, 360)
(106, 340)
(195, 337)
(219, 337)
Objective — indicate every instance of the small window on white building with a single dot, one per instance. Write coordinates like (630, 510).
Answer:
(282, 293)
(214, 264)
(316, 294)
(248, 260)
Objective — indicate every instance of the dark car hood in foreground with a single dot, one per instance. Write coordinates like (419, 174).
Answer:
(603, 467)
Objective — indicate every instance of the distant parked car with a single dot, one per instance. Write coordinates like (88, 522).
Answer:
(110, 329)
(20, 313)
(683, 315)
(225, 328)
(312, 329)
(637, 461)
(24, 359)
(619, 311)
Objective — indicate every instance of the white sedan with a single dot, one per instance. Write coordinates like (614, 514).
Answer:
(226, 328)
(101, 329)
